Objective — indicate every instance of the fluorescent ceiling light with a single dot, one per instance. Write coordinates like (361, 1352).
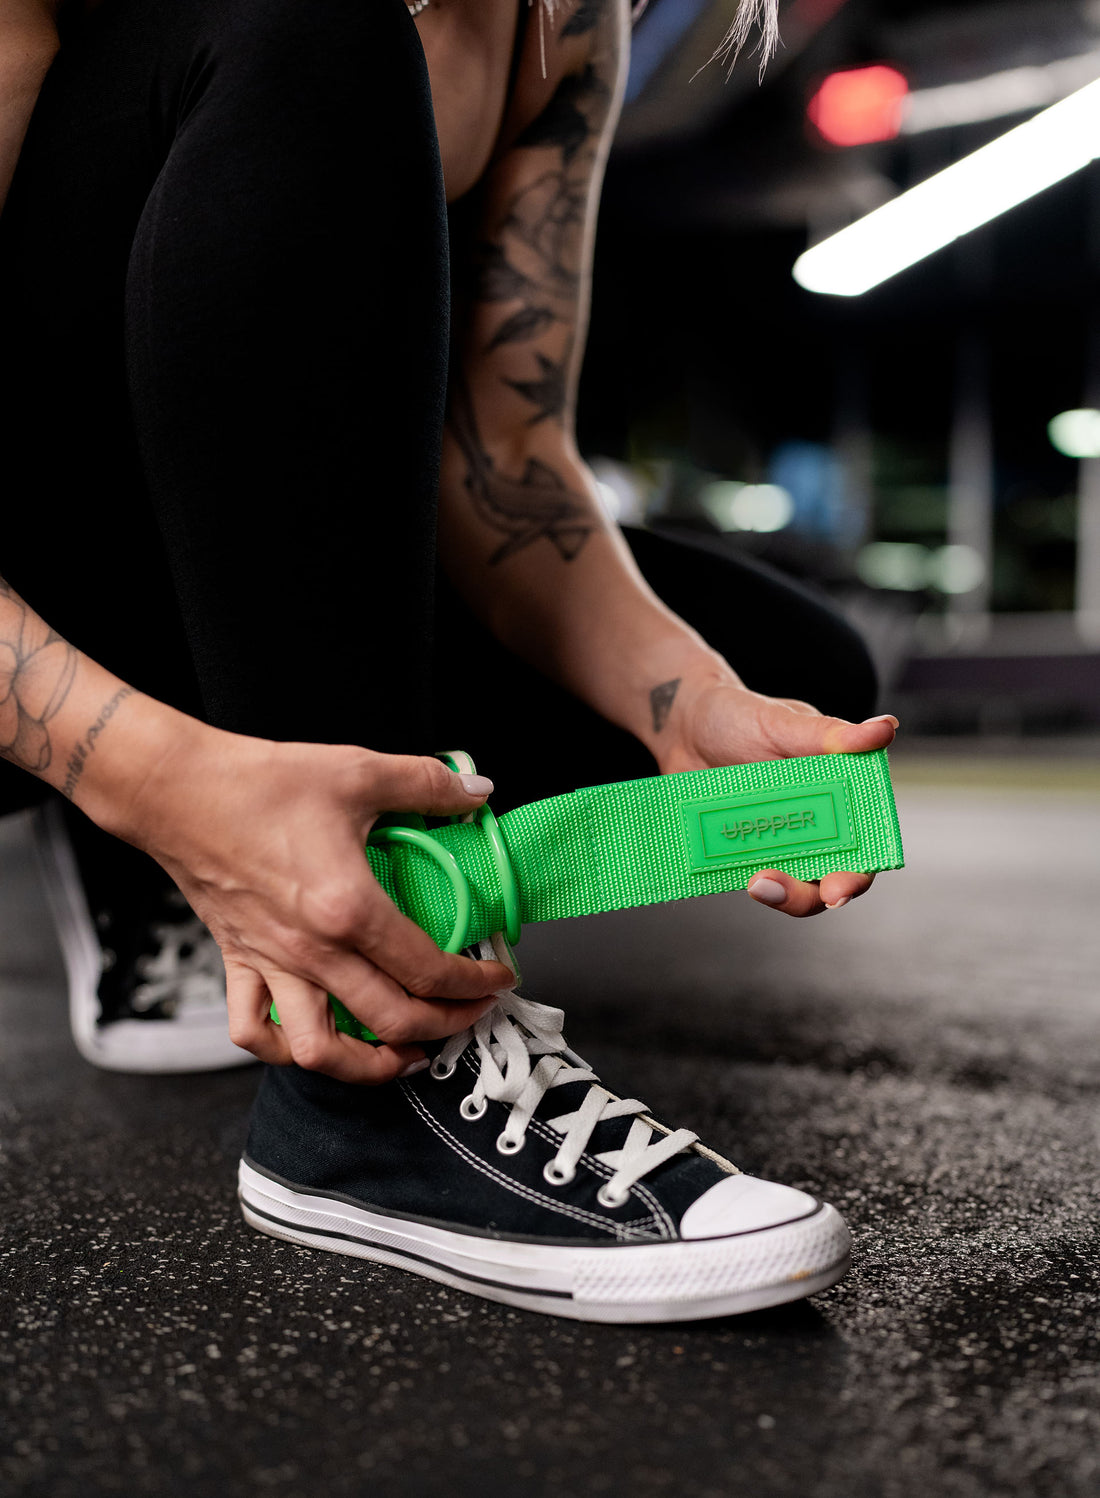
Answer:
(1017, 91)
(1011, 169)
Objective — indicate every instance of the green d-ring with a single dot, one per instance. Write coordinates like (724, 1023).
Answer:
(485, 817)
(447, 862)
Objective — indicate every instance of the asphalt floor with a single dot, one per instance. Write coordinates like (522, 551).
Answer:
(926, 1059)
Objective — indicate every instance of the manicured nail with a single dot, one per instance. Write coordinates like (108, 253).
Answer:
(415, 1066)
(884, 718)
(476, 785)
(838, 904)
(768, 892)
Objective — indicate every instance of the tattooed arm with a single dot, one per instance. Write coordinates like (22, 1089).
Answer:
(522, 532)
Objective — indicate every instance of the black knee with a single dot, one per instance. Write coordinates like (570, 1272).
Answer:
(782, 638)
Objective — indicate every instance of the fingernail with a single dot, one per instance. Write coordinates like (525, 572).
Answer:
(476, 785)
(884, 718)
(415, 1066)
(768, 892)
(838, 904)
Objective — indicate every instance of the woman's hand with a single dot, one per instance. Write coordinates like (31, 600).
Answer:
(266, 841)
(723, 723)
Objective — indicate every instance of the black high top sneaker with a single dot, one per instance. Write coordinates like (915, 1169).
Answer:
(508, 1170)
(146, 981)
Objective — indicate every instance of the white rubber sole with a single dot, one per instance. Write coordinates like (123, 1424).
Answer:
(678, 1281)
(196, 1040)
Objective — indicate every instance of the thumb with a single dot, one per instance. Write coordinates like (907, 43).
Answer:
(797, 733)
(414, 782)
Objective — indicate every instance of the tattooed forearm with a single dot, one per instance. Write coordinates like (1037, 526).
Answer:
(660, 702)
(523, 311)
(84, 747)
(535, 257)
(539, 505)
(36, 674)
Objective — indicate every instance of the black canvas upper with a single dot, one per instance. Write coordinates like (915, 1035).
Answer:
(405, 1148)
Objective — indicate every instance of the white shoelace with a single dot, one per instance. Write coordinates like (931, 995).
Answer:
(185, 973)
(509, 1038)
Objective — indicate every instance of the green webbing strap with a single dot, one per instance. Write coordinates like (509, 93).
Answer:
(642, 842)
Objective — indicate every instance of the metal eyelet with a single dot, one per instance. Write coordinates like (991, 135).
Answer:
(506, 1146)
(608, 1199)
(555, 1175)
(471, 1109)
(441, 1073)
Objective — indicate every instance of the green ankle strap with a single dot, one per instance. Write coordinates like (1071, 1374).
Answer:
(638, 842)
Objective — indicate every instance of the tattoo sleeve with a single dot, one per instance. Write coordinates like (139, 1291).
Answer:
(522, 331)
(36, 675)
(534, 505)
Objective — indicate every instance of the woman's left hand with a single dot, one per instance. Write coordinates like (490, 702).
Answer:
(725, 723)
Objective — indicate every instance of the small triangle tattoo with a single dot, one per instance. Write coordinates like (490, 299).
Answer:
(660, 702)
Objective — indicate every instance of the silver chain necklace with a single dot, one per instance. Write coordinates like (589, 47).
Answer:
(414, 7)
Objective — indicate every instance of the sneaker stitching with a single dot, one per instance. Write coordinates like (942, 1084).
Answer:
(658, 1214)
(578, 1213)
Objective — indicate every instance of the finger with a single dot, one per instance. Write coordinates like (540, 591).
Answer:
(395, 1016)
(415, 782)
(781, 892)
(397, 945)
(796, 732)
(314, 1042)
(797, 706)
(250, 1024)
(838, 889)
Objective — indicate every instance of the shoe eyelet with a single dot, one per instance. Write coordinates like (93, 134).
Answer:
(441, 1073)
(555, 1175)
(471, 1109)
(506, 1146)
(609, 1199)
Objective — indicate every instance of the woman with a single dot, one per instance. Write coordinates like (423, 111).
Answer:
(225, 268)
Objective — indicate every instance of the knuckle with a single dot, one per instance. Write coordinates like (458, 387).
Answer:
(361, 764)
(309, 1051)
(437, 780)
(422, 984)
(244, 1031)
(333, 909)
(397, 1029)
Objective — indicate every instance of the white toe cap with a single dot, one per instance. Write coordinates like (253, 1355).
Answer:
(743, 1204)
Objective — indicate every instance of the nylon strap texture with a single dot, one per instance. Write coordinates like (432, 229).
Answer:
(644, 842)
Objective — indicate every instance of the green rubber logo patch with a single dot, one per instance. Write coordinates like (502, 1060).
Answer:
(758, 828)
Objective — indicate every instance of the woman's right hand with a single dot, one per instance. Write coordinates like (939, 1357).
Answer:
(266, 842)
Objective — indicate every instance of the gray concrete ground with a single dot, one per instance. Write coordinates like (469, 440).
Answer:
(927, 1059)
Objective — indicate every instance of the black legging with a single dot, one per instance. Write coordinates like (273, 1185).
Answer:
(225, 308)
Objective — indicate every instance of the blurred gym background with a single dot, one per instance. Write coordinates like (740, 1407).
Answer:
(923, 449)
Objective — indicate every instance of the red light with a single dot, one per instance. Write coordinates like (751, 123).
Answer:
(860, 105)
